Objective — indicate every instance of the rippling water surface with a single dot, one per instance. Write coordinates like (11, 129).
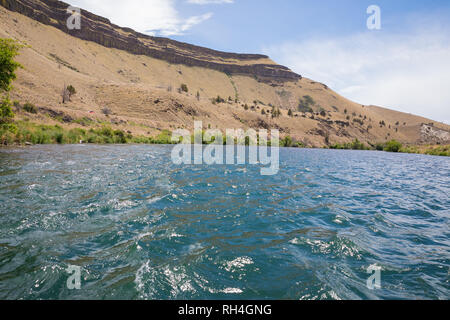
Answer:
(143, 228)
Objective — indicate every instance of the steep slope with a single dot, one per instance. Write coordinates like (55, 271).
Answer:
(102, 31)
(141, 91)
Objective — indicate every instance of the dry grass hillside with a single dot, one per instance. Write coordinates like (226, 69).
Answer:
(140, 94)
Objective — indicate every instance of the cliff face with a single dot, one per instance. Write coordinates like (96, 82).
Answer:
(102, 31)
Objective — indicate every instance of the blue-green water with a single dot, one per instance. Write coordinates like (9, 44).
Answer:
(143, 228)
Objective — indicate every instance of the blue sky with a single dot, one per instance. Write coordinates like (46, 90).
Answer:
(404, 66)
(250, 25)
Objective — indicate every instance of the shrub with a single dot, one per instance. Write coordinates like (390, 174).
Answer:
(67, 93)
(30, 108)
(219, 99)
(59, 137)
(393, 146)
(286, 142)
(357, 145)
(359, 121)
(71, 90)
(165, 137)
(6, 113)
(184, 88)
(275, 112)
(9, 49)
(439, 151)
(106, 111)
(119, 137)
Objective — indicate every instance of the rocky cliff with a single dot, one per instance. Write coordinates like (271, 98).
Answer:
(102, 31)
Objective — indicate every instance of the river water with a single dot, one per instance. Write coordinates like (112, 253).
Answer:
(140, 227)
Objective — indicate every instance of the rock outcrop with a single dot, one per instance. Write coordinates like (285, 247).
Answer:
(430, 134)
(102, 31)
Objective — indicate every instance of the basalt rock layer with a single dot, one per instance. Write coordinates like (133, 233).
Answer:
(102, 31)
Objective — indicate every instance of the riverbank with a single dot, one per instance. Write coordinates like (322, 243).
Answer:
(23, 133)
(28, 133)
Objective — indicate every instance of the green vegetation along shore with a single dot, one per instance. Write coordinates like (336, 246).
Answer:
(18, 133)
(24, 132)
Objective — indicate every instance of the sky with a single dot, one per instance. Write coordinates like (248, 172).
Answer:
(404, 65)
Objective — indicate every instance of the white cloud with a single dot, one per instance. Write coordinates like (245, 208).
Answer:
(409, 73)
(192, 21)
(156, 17)
(209, 1)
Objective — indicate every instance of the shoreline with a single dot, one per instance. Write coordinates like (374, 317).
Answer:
(25, 146)
(25, 133)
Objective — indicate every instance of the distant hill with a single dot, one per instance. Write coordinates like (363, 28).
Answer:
(133, 82)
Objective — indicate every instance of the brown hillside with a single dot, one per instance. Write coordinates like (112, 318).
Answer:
(136, 88)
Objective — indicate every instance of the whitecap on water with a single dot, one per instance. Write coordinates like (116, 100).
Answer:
(153, 200)
(175, 235)
(232, 291)
(238, 264)
(139, 237)
(178, 280)
(139, 278)
(333, 295)
(194, 247)
(119, 205)
(339, 220)
(151, 280)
